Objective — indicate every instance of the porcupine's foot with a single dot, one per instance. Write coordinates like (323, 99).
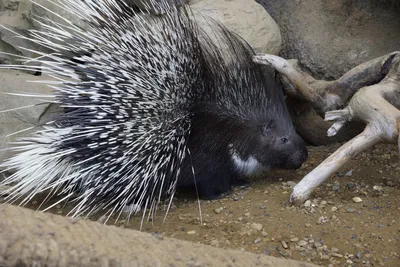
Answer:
(209, 191)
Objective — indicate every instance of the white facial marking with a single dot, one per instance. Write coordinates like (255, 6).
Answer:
(246, 167)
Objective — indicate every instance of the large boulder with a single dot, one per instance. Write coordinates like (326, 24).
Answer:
(329, 37)
(18, 16)
(14, 121)
(246, 18)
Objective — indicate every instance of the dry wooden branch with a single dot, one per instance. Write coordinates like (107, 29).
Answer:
(29, 238)
(373, 89)
(328, 95)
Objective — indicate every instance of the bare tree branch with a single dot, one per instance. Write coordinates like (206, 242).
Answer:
(373, 89)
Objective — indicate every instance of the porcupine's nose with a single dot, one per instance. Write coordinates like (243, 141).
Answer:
(300, 154)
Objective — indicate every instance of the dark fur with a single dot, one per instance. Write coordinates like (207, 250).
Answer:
(245, 112)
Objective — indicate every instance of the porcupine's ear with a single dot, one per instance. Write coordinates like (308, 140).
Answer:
(267, 127)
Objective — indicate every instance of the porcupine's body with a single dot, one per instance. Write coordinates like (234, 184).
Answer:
(153, 107)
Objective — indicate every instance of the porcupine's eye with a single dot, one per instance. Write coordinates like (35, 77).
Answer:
(284, 140)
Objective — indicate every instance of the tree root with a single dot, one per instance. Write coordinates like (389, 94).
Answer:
(372, 91)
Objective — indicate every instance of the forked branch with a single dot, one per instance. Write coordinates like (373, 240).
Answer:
(373, 89)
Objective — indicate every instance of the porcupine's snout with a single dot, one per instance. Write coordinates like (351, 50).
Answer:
(300, 153)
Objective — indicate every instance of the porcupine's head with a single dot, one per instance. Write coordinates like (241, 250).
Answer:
(267, 137)
(252, 112)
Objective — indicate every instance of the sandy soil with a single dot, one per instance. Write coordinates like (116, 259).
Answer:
(335, 228)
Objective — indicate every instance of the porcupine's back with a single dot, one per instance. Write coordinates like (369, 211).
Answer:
(123, 134)
(128, 115)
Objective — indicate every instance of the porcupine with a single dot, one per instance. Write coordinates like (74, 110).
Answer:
(152, 107)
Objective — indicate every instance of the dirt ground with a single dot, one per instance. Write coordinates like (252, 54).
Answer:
(335, 228)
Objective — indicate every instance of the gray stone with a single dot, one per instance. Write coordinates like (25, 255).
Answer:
(246, 18)
(146, 5)
(329, 37)
(17, 120)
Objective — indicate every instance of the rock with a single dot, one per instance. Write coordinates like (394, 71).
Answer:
(146, 5)
(349, 173)
(256, 226)
(334, 209)
(308, 225)
(20, 15)
(264, 234)
(377, 188)
(258, 240)
(284, 244)
(336, 188)
(294, 240)
(18, 120)
(291, 184)
(357, 200)
(330, 37)
(307, 203)
(246, 18)
(322, 220)
(302, 243)
(350, 210)
(191, 232)
(218, 210)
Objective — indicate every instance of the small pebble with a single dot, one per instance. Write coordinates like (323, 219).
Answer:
(191, 232)
(256, 226)
(302, 243)
(334, 209)
(317, 244)
(349, 173)
(357, 199)
(322, 220)
(307, 203)
(294, 240)
(284, 244)
(335, 188)
(350, 210)
(307, 225)
(264, 234)
(218, 210)
(258, 240)
(377, 188)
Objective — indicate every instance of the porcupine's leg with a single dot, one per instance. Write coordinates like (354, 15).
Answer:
(211, 175)
(239, 181)
(215, 187)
